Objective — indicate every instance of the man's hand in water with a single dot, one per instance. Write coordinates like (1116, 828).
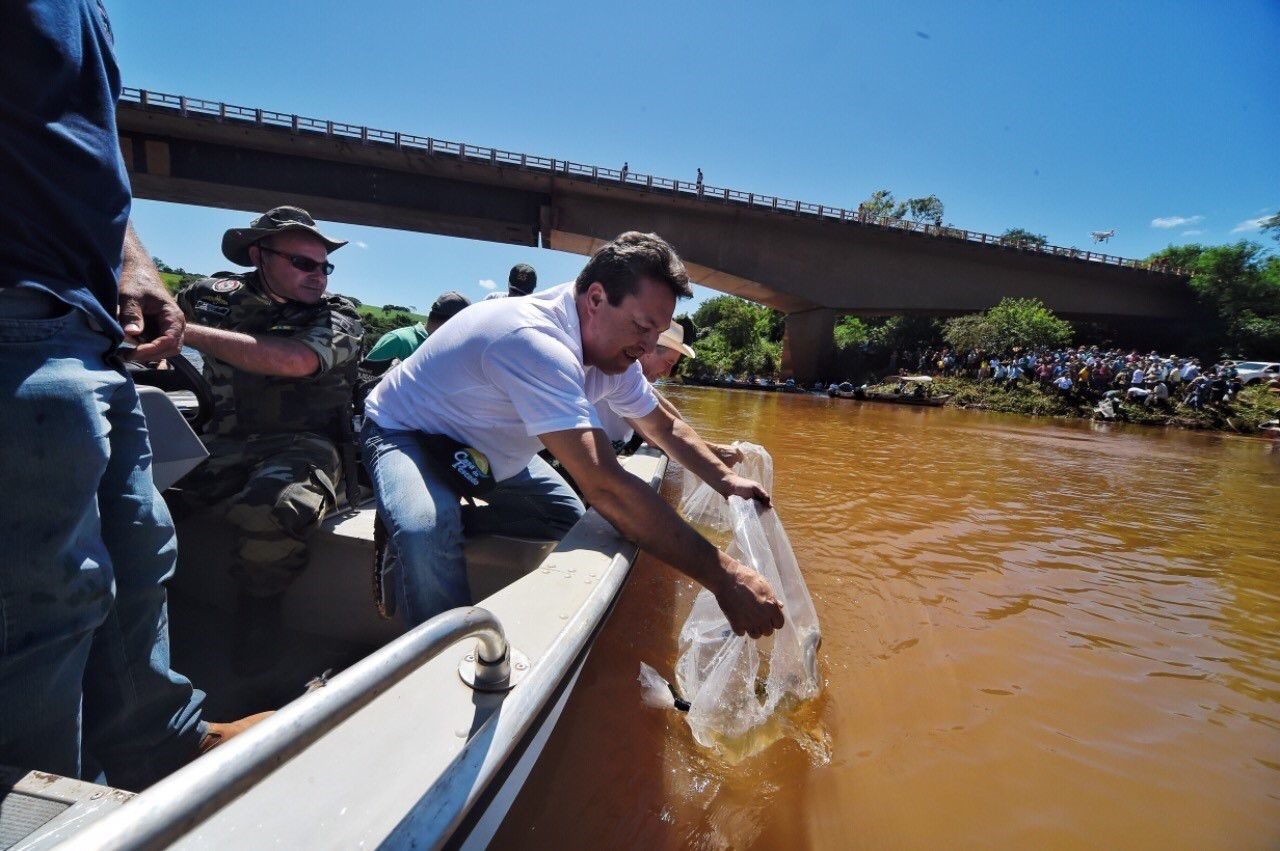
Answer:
(735, 485)
(146, 308)
(747, 600)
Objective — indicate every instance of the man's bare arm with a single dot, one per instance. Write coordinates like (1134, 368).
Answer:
(642, 516)
(145, 306)
(679, 440)
(257, 353)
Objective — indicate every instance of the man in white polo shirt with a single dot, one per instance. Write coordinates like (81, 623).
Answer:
(654, 365)
(507, 379)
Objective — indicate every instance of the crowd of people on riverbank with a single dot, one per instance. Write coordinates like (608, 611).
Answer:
(1088, 373)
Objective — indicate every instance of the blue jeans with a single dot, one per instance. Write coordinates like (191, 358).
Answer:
(427, 522)
(85, 684)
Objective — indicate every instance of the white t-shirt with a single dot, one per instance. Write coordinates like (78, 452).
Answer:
(493, 295)
(499, 374)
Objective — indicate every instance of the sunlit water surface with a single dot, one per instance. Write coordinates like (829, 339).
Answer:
(1037, 633)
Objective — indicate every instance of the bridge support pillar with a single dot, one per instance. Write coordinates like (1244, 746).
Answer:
(808, 346)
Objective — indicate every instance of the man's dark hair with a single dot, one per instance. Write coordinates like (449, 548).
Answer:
(620, 264)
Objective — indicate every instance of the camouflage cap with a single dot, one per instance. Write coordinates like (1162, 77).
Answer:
(236, 241)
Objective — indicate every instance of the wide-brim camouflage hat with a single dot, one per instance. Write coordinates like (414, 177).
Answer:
(236, 241)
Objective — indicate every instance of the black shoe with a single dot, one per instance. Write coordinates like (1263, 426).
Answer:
(256, 647)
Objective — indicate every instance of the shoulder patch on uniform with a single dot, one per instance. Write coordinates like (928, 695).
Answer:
(227, 286)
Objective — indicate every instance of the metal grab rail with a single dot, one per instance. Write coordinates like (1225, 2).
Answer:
(179, 803)
(644, 182)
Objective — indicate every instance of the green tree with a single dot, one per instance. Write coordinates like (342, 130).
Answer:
(1021, 236)
(850, 333)
(736, 336)
(1239, 285)
(1013, 323)
(882, 205)
(928, 209)
(1272, 226)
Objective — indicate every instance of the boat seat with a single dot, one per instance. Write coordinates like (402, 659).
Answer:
(39, 810)
(334, 595)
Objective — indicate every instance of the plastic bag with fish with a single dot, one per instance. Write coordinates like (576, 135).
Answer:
(702, 506)
(734, 686)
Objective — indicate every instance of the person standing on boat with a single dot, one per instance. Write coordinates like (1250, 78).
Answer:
(85, 684)
(501, 381)
(280, 356)
(521, 280)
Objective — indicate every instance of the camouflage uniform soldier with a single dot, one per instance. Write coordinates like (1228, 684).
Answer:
(280, 356)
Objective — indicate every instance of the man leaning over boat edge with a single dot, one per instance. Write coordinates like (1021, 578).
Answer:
(509, 378)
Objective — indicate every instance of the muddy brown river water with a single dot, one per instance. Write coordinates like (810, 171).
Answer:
(1036, 633)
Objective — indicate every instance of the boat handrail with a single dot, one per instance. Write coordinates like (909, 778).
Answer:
(179, 803)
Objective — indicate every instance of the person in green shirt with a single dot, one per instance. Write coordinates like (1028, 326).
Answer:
(399, 344)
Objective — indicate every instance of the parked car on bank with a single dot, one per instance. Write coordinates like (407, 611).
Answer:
(1252, 371)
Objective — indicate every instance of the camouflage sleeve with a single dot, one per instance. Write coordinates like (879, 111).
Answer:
(184, 299)
(334, 334)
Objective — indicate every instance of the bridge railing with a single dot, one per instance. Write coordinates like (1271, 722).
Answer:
(599, 174)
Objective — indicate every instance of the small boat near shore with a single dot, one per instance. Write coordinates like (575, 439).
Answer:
(911, 390)
(907, 399)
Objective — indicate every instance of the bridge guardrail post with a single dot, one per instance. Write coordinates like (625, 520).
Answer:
(431, 147)
(182, 106)
(257, 116)
(397, 140)
(222, 112)
(144, 98)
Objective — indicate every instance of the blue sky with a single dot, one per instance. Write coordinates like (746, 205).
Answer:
(1158, 119)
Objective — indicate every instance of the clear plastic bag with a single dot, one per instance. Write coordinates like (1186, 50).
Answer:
(735, 686)
(702, 506)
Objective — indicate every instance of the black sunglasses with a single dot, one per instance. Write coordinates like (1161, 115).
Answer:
(297, 261)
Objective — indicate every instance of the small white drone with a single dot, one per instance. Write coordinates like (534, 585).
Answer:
(1102, 235)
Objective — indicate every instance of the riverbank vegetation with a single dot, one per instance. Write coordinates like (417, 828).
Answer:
(1244, 414)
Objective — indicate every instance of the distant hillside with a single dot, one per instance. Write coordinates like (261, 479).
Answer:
(174, 282)
(381, 314)
(378, 321)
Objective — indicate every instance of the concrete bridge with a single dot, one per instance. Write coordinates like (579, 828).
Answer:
(809, 261)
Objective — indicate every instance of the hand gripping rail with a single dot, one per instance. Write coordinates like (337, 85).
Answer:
(177, 804)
